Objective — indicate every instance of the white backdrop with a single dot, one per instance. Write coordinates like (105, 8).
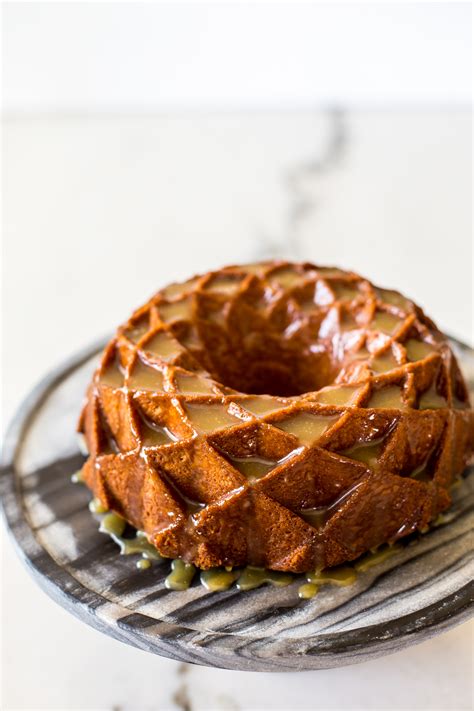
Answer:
(148, 56)
(111, 190)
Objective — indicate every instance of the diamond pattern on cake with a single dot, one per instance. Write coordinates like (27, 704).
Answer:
(276, 414)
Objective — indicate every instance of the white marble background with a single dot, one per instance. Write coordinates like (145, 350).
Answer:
(99, 213)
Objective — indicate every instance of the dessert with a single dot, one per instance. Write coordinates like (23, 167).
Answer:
(279, 415)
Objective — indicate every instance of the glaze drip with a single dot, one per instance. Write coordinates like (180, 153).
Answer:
(183, 574)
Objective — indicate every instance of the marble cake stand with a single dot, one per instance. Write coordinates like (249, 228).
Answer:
(419, 592)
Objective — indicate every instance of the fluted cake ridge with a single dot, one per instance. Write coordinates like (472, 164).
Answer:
(276, 414)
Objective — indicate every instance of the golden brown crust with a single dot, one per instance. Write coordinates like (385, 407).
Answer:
(278, 414)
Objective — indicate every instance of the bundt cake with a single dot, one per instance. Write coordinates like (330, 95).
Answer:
(277, 414)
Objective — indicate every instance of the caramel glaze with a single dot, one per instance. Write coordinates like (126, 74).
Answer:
(283, 416)
(182, 574)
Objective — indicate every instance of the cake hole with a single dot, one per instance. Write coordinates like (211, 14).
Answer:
(281, 354)
(279, 371)
(261, 356)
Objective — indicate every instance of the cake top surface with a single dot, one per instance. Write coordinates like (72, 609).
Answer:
(289, 345)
